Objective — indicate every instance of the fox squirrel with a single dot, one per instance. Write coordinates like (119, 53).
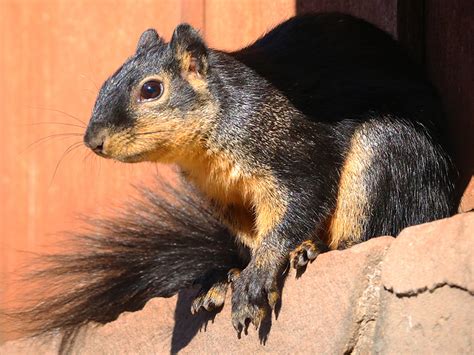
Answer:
(321, 134)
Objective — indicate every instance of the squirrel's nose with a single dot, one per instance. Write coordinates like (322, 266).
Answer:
(95, 140)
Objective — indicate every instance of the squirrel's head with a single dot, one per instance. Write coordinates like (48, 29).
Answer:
(157, 104)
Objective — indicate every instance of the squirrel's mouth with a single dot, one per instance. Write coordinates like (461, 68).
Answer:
(122, 156)
(100, 153)
(136, 158)
(130, 153)
(121, 146)
(125, 145)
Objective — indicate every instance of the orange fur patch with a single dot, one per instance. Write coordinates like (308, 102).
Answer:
(346, 224)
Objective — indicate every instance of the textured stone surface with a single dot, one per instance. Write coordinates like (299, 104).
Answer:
(432, 255)
(427, 303)
(410, 294)
(433, 322)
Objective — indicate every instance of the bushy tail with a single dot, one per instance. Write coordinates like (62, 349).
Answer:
(157, 246)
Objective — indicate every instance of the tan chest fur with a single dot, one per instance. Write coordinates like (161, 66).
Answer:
(249, 203)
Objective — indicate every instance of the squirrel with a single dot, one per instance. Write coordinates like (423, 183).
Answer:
(321, 134)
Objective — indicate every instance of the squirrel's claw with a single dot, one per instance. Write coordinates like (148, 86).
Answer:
(212, 294)
(273, 297)
(242, 317)
(304, 253)
(210, 299)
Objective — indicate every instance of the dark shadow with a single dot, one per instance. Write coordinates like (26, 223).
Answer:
(186, 324)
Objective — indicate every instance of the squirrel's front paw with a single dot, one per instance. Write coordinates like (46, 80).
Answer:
(254, 294)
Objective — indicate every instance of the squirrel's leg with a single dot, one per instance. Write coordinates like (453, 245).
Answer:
(255, 291)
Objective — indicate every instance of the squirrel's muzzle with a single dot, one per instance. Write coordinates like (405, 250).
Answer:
(94, 139)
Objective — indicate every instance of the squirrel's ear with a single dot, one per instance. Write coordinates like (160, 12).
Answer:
(148, 39)
(190, 50)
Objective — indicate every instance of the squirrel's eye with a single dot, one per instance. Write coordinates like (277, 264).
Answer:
(151, 90)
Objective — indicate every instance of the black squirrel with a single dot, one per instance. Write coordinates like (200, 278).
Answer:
(321, 134)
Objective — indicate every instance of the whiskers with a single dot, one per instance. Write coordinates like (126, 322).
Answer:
(59, 136)
(57, 123)
(61, 112)
(50, 137)
(68, 150)
(62, 135)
